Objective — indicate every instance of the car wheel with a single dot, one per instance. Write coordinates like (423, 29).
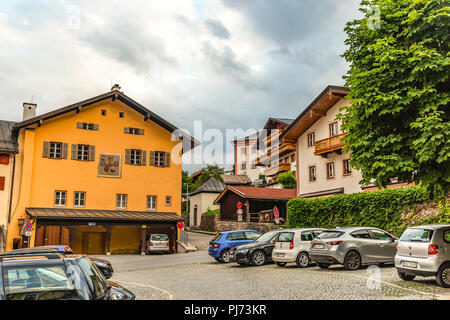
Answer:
(303, 260)
(224, 256)
(323, 265)
(405, 276)
(280, 264)
(352, 260)
(258, 258)
(443, 275)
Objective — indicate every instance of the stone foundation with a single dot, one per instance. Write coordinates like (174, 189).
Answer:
(234, 225)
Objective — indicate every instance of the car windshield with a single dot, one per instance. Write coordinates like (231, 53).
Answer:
(159, 237)
(285, 237)
(267, 236)
(330, 234)
(35, 282)
(417, 234)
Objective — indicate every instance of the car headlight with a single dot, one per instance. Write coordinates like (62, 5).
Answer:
(116, 295)
(243, 251)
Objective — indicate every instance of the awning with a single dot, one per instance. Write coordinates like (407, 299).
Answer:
(101, 215)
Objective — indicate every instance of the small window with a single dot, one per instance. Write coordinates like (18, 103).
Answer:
(55, 150)
(330, 170)
(285, 237)
(251, 235)
(83, 152)
(121, 114)
(133, 131)
(333, 129)
(87, 126)
(311, 139)
(103, 112)
(307, 236)
(60, 198)
(380, 235)
(312, 174)
(253, 165)
(243, 166)
(168, 201)
(236, 236)
(121, 201)
(79, 199)
(347, 168)
(159, 159)
(360, 234)
(136, 156)
(151, 202)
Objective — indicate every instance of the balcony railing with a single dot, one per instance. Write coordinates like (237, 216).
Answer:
(274, 170)
(325, 146)
(272, 153)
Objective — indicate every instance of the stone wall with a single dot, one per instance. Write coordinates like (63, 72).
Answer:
(208, 222)
(213, 223)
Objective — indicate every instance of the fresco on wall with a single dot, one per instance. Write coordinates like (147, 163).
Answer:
(109, 165)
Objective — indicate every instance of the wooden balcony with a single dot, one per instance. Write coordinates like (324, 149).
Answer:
(325, 146)
(277, 152)
(274, 170)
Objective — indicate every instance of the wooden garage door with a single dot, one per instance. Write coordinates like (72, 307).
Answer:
(51, 235)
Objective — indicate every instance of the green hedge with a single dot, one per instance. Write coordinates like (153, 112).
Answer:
(212, 212)
(382, 209)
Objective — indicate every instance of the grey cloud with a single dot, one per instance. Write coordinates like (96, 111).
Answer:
(217, 28)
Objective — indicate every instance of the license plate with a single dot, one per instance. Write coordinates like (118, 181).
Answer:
(319, 246)
(279, 255)
(409, 264)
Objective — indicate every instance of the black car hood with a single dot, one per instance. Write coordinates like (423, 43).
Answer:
(252, 245)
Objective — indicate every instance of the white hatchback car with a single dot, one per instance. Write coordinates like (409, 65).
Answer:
(292, 245)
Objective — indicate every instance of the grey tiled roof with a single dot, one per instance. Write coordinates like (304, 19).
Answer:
(285, 120)
(7, 141)
(212, 186)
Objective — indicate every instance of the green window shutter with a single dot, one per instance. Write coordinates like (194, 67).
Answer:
(141, 132)
(79, 125)
(126, 130)
(167, 159)
(127, 156)
(143, 158)
(91, 153)
(96, 127)
(65, 150)
(152, 158)
(74, 151)
(46, 149)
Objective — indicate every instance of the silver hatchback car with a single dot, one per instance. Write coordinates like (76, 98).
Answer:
(425, 251)
(353, 247)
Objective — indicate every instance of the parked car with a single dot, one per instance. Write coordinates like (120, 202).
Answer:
(425, 251)
(353, 247)
(44, 274)
(157, 243)
(103, 264)
(292, 245)
(256, 253)
(220, 245)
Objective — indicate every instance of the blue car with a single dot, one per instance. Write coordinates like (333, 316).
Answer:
(221, 244)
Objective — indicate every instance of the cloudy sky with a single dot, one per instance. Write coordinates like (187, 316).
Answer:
(227, 63)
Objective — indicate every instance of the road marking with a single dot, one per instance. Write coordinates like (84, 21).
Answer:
(384, 282)
(147, 286)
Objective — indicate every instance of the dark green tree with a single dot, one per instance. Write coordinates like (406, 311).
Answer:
(208, 172)
(288, 180)
(399, 120)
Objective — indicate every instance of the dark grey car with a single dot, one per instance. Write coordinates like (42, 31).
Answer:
(353, 247)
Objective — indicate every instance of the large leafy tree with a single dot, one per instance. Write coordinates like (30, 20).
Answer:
(287, 180)
(208, 172)
(399, 120)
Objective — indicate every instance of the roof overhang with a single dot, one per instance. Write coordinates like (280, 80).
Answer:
(188, 141)
(318, 108)
(52, 214)
(244, 196)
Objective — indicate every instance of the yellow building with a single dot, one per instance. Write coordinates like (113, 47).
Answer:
(98, 175)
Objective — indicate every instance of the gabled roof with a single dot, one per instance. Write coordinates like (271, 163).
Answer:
(259, 193)
(113, 95)
(211, 186)
(319, 107)
(231, 179)
(8, 142)
(284, 121)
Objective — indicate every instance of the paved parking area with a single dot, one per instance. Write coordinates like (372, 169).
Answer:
(197, 276)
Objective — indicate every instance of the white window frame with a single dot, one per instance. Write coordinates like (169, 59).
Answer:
(151, 202)
(331, 174)
(334, 129)
(346, 165)
(135, 157)
(55, 150)
(121, 201)
(60, 198)
(159, 159)
(312, 173)
(83, 152)
(311, 139)
(79, 199)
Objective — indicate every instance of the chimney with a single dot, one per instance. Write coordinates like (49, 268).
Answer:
(29, 110)
(115, 87)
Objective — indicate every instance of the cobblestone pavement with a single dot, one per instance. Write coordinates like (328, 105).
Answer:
(209, 280)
